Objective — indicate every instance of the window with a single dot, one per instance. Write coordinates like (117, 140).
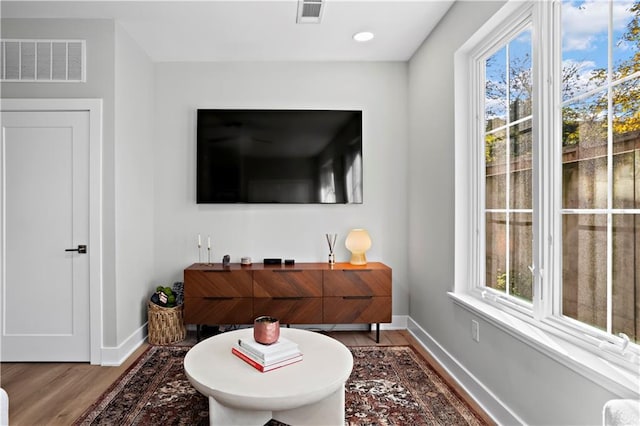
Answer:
(548, 170)
(507, 172)
(601, 165)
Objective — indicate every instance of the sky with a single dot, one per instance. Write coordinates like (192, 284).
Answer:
(585, 32)
(585, 43)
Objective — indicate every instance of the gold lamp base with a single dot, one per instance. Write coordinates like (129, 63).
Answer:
(358, 259)
(358, 242)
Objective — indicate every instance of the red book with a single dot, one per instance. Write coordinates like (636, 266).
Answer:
(258, 366)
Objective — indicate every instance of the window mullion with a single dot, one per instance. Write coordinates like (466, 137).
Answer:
(610, 171)
(540, 94)
(479, 196)
(553, 304)
(507, 198)
(547, 172)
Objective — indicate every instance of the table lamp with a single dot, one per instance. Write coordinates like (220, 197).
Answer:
(358, 242)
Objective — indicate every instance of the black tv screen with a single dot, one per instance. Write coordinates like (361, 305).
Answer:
(279, 156)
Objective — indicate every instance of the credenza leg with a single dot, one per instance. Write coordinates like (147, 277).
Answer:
(197, 333)
(377, 332)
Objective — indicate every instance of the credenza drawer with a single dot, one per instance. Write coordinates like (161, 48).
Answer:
(221, 283)
(360, 282)
(356, 309)
(218, 310)
(287, 283)
(290, 310)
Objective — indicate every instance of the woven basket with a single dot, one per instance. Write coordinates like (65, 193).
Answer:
(166, 325)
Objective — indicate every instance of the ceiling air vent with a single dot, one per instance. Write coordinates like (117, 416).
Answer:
(42, 61)
(309, 11)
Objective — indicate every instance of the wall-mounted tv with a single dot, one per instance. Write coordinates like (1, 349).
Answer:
(292, 156)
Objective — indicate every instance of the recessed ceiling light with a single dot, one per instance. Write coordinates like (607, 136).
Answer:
(363, 36)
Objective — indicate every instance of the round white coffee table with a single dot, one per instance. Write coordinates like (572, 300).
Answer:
(310, 392)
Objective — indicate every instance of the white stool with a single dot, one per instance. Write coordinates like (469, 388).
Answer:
(621, 412)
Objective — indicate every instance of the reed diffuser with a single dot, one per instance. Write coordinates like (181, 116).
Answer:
(331, 240)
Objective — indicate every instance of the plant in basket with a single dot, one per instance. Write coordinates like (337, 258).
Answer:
(164, 297)
(165, 316)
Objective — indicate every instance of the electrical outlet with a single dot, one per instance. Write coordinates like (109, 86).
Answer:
(475, 330)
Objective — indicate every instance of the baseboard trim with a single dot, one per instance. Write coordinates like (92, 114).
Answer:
(115, 356)
(498, 411)
(398, 322)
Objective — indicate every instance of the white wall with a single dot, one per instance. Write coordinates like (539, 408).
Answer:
(134, 195)
(119, 73)
(99, 36)
(537, 389)
(286, 231)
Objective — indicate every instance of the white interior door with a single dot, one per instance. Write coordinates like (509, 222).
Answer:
(45, 213)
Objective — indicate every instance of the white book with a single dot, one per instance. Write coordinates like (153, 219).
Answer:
(275, 359)
(268, 352)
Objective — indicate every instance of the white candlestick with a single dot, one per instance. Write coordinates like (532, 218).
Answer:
(199, 241)
(208, 242)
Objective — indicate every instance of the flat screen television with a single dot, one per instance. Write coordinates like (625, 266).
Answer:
(292, 156)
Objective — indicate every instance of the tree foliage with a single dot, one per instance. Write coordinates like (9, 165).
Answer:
(586, 122)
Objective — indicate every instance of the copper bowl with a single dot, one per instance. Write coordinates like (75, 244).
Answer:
(266, 330)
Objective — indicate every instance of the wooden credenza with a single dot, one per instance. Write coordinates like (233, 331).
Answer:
(304, 293)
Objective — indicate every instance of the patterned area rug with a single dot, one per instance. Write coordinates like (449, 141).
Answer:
(388, 386)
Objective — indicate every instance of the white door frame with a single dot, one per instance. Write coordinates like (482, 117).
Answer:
(94, 107)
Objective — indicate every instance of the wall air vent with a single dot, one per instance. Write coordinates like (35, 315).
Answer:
(42, 61)
(309, 11)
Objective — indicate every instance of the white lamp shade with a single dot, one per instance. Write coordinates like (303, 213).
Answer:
(358, 242)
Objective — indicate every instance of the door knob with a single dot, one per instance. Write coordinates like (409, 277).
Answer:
(81, 249)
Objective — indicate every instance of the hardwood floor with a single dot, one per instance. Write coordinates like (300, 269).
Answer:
(58, 393)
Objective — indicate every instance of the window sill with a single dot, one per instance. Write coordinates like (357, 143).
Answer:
(600, 371)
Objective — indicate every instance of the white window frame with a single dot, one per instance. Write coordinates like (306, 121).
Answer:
(577, 345)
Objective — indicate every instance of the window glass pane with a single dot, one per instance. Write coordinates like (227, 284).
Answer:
(626, 179)
(495, 149)
(626, 145)
(584, 268)
(626, 38)
(585, 27)
(585, 184)
(626, 275)
(509, 155)
(626, 107)
(520, 76)
(584, 153)
(520, 237)
(496, 251)
(520, 190)
(496, 90)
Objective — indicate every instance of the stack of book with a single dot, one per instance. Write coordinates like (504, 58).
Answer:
(267, 357)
